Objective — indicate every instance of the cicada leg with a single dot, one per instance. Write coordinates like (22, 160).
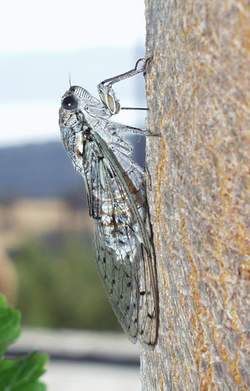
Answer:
(107, 93)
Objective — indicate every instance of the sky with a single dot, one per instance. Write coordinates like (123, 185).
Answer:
(43, 42)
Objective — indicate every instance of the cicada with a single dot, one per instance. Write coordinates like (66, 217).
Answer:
(116, 193)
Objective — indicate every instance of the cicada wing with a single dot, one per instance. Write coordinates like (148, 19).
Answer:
(114, 247)
(148, 305)
(120, 283)
(125, 254)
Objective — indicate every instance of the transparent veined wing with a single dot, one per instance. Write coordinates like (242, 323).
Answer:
(125, 257)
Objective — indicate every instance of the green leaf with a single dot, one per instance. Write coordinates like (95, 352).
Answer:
(23, 371)
(6, 364)
(21, 374)
(36, 386)
(9, 325)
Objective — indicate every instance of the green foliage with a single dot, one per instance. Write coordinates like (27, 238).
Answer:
(21, 374)
(9, 325)
(59, 285)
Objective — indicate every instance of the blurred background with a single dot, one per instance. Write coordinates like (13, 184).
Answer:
(47, 259)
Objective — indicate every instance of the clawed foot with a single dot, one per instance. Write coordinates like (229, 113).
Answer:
(142, 64)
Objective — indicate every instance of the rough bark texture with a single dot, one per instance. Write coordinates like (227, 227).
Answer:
(198, 89)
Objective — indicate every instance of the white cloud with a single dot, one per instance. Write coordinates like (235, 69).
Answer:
(61, 25)
(57, 28)
(28, 122)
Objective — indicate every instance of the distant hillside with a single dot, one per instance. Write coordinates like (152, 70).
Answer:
(39, 170)
(42, 171)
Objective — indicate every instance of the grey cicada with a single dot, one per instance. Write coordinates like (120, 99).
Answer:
(116, 194)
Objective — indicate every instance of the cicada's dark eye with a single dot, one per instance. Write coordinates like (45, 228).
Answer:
(69, 103)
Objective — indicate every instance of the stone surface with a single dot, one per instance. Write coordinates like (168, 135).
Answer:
(198, 90)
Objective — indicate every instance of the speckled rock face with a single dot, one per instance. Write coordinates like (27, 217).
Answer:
(198, 89)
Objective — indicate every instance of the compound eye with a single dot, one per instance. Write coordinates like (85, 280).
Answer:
(69, 103)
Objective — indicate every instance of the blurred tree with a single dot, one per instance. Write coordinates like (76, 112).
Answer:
(59, 286)
(8, 277)
(198, 89)
(76, 198)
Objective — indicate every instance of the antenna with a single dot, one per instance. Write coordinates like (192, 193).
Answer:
(69, 79)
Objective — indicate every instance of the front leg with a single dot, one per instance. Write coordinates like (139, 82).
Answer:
(106, 91)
